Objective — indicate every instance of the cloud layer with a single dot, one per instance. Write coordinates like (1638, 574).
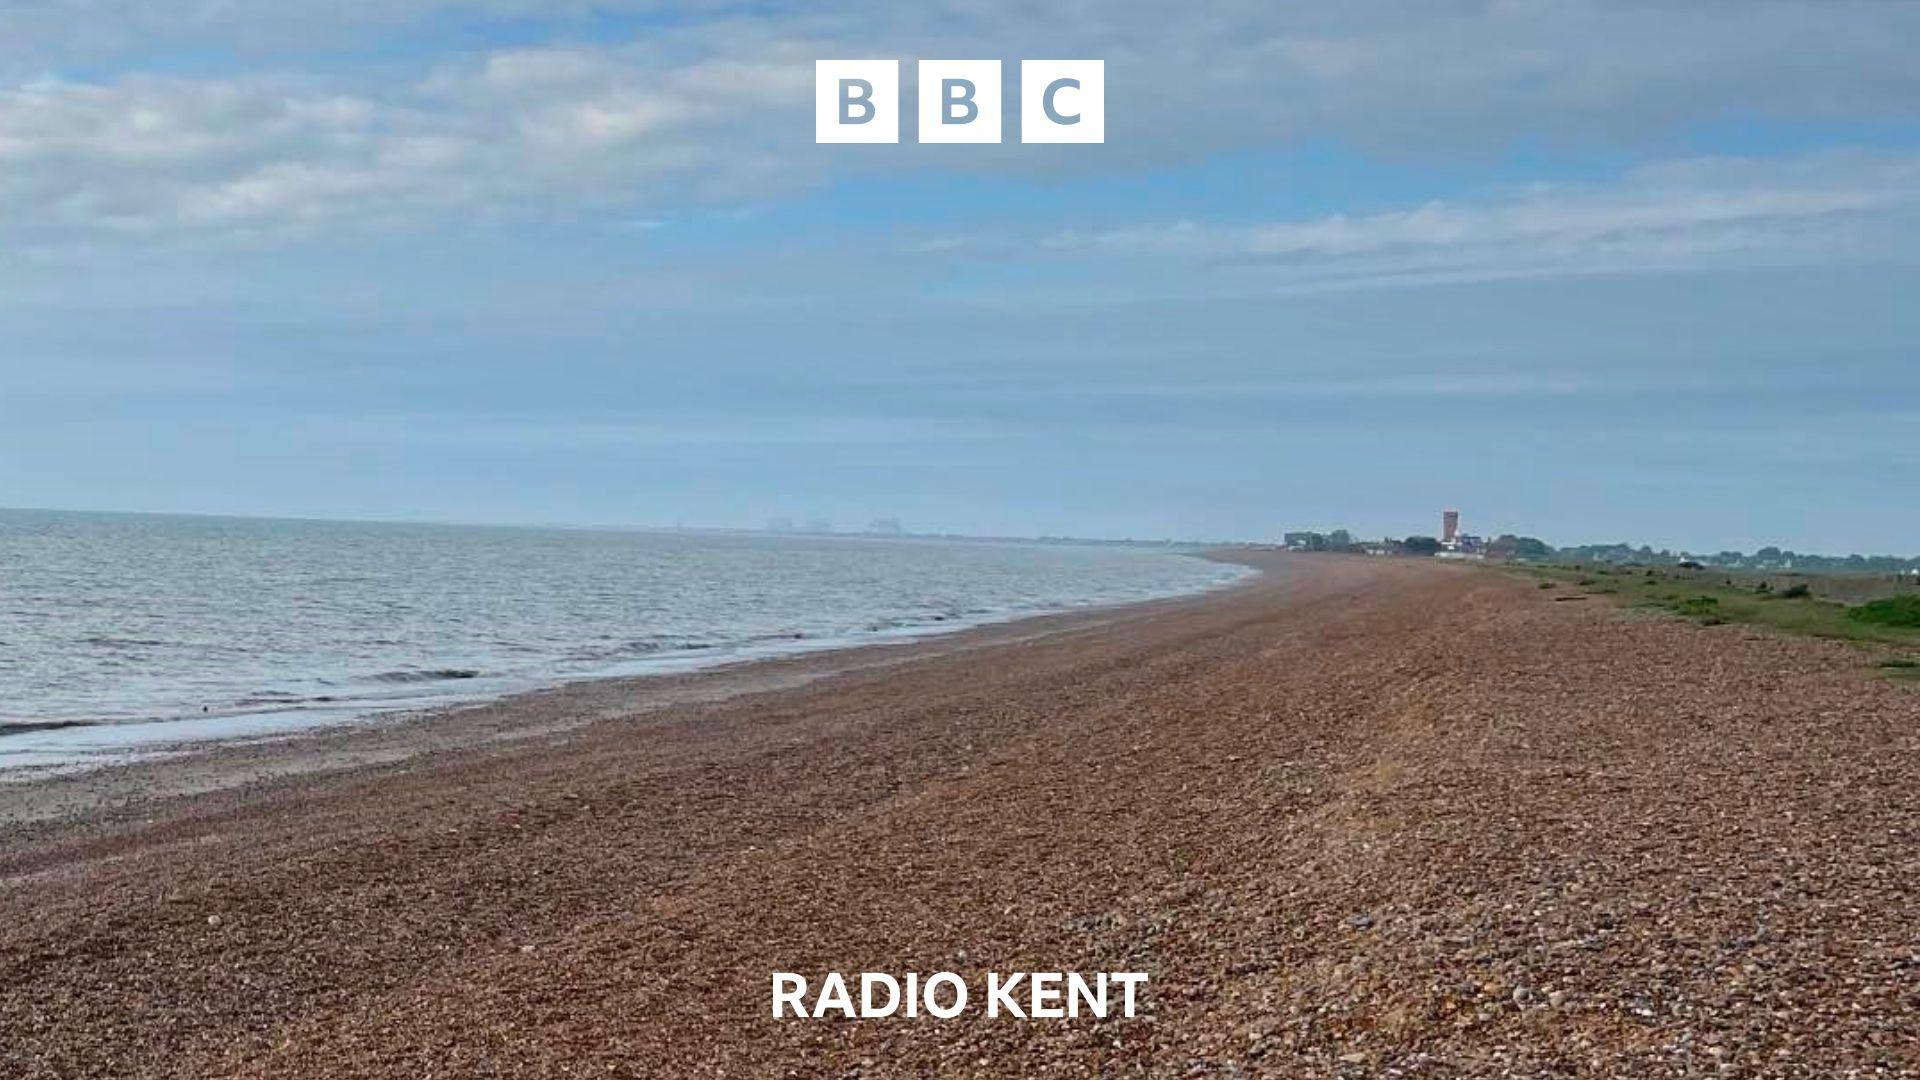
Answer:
(1693, 213)
(659, 106)
(548, 130)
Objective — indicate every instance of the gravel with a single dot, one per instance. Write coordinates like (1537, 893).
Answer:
(1355, 818)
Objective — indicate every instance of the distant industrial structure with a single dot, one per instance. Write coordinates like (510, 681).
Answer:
(886, 526)
(1455, 544)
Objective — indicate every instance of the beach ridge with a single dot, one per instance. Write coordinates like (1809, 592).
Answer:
(1355, 814)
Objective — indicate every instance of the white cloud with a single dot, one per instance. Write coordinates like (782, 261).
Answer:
(709, 101)
(523, 129)
(1816, 207)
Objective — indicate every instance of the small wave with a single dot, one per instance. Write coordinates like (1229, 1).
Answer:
(430, 675)
(105, 642)
(20, 727)
(280, 699)
(930, 618)
(637, 648)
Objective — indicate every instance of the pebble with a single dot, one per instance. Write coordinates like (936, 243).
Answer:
(1731, 871)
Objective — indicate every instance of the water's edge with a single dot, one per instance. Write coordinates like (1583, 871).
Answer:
(34, 749)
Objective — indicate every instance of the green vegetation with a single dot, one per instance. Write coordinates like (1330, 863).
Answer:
(1900, 612)
(1901, 669)
(1712, 597)
(1528, 548)
(1704, 608)
(1767, 559)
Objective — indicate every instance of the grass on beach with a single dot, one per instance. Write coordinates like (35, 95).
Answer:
(1901, 612)
(1712, 597)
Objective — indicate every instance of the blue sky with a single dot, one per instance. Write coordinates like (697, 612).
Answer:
(1588, 271)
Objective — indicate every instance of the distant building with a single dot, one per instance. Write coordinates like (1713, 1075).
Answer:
(1455, 544)
(886, 527)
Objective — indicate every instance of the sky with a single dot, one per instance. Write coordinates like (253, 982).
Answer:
(1590, 271)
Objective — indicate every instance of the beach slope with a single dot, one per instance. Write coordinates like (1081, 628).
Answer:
(1352, 816)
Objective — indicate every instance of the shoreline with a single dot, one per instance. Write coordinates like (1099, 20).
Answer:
(124, 625)
(85, 746)
(168, 767)
(1356, 817)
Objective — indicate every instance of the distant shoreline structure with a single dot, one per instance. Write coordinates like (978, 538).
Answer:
(1508, 547)
(1768, 558)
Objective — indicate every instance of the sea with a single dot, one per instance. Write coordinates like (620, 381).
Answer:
(128, 634)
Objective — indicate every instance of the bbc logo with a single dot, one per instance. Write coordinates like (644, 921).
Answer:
(858, 101)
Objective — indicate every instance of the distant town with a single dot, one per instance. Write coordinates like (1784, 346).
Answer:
(1452, 542)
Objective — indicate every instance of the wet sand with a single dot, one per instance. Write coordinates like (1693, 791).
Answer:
(1355, 817)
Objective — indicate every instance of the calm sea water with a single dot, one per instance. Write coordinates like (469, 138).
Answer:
(134, 631)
